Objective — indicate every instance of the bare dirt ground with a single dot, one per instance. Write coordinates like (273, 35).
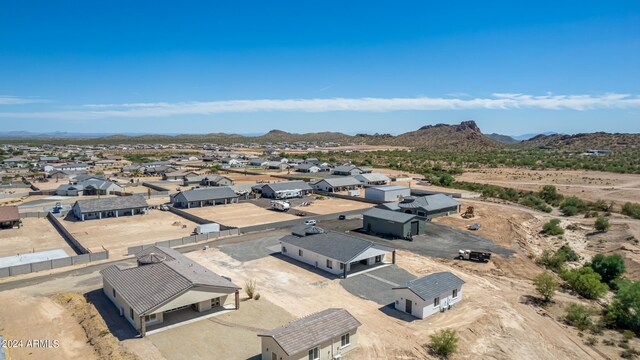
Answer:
(590, 185)
(239, 179)
(499, 326)
(34, 235)
(330, 205)
(365, 148)
(117, 234)
(239, 215)
(38, 317)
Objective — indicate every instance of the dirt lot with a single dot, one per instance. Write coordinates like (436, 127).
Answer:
(35, 234)
(117, 234)
(333, 205)
(590, 185)
(239, 215)
(252, 179)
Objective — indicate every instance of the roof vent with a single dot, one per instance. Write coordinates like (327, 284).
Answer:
(409, 199)
(313, 230)
(151, 258)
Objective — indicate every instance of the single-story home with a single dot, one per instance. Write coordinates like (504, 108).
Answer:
(308, 168)
(204, 197)
(373, 179)
(109, 207)
(9, 217)
(392, 223)
(158, 170)
(57, 175)
(91, 186)
(387, 193)
(164, 286)
(285, 189)
(334, 252)
(15, 162)
(208, 180)
(328, 334)
(49, 159)
(258, 162)
(429, 207)
(277, 165)
(428, 295)
(178, 175)
(72, 167)
(350, 170)
(337, 184)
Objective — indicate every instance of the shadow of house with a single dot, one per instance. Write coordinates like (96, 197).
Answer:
(117, 325)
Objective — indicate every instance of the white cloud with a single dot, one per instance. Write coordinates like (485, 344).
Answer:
(498, 101)
(14, 100)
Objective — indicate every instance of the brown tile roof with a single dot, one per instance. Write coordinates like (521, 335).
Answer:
(310, 331)
(9, 213)
(147, 287)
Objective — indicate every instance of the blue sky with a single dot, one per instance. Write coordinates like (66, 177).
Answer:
(350, 66)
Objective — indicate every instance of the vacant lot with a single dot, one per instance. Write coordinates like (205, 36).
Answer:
(333, 205)
(117, 234)
(590, 185)
(239, 215)
(34, 235)
(239, 178)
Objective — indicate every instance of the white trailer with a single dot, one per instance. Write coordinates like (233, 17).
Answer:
(280, 205)
(207, 228)
(288, 194)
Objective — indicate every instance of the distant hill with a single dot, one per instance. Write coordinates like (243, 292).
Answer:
(505, 139)
(532, 135)
(582, 142)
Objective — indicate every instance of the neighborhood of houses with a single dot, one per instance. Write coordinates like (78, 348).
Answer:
(90, 199)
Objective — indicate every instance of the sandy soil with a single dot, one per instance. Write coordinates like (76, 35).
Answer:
(252, 179)
(35, 234)
(499, 326)
(117, 234)
(590, 185)
(330, 205)
(239, 215)
(38, 317)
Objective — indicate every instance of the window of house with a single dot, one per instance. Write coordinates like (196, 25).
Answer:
(114, 293)
(341, 266)
(379, 258)
(344, 340)
(454, 293)
(284, 249)
(215, 302)
(314, 354)
(436, 302)
(131, 313)
(329, 264)
(150, 318)
(300, 252)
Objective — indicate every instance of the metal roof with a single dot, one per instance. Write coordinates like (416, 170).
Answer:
(113, 203)
(147, 287)
(341, 181)
(433, 285)
(389, 188)
(373, 177)
(334, 245)
(429, 203)
(344, 168)
(288, 185)
(9, 213)
(205, 194)
(389, 215)
(310, 331)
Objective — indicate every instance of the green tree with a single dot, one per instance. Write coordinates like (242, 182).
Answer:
(624, 311)
(546, 285)
(444, 343)
(602, 224)
(608, 267)
(571, 206)
(549, 193)
(579, 316)
(553, 228)
(446, 180)
(585, 282)
(632, 210)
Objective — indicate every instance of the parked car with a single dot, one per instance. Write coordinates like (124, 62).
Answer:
(474, 227)
(342, 217)
(310, 222)
(164, 207)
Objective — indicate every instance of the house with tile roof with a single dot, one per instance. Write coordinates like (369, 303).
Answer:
(166, 287)
(328, 334)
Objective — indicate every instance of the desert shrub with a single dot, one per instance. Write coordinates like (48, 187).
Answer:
(557, 260)
(629, 353)
(546, 285)
(549, 193)
(609, 267)
(553, 228)
(591, 341)
(632, 210)
(579, 316)
(572, 206)
(250, 288)
(602, 224)
(628, 335)
(256, 296)
(568, 253)
(585, 282)
(624, 311)
(444, 343)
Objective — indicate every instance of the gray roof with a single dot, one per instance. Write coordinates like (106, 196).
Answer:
(433, 285)
(205, 194)
(288, 185)
(341, 181)
(344, 168)
(306, 166)
(429, 203)
(373, 177)
(389, 215)
(334, 245)
(390, 187)
(108, 204)
(147, 287)
(310, 331)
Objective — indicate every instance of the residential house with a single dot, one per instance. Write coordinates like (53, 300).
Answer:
(9, 217)
(428, 207)
(334, 252)
(337, 184)
(308, 168)
(16, 162)
(387, 193)
(328, 334)
(285, 189)
(109, 207)
(72, 167)
(428, 295)
(204, 197)
(373, 179)
(89, 186)
(208, 180)
(350, 170)
(392, 223)
(164, 287)
(178, 175)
